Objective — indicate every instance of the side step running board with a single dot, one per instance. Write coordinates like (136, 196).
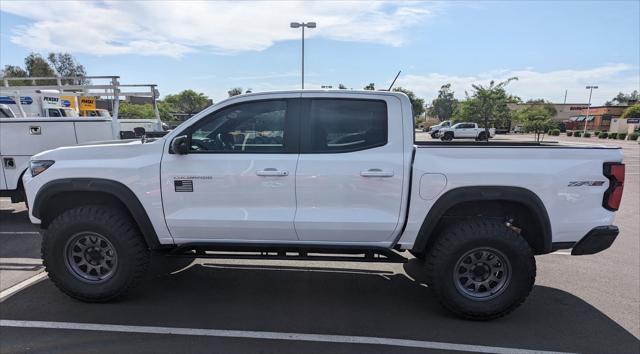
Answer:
(284, 252)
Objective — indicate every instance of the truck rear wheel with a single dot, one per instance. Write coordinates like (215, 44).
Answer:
(94, 253)
(479, 269)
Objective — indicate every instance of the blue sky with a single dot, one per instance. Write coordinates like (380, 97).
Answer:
(211, 47)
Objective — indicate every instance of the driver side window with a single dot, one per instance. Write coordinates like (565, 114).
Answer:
(245, 127)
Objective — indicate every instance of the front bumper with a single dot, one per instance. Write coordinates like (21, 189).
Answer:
(598, 239)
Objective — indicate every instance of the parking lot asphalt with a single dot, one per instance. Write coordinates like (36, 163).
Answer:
(587, 304)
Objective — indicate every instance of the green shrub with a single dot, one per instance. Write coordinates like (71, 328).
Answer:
(633, 136)
(622, 136)
(613, 135)
(554, 132)
(596, 133)
(603, 135)
(577, 133)
(587, 134)
(569, 133)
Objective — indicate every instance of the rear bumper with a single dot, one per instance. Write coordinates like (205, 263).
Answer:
(598, 239)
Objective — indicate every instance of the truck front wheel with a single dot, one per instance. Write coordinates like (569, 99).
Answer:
(479, 269)
(94, 253)
(447, 136)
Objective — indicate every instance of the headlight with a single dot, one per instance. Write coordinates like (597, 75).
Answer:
(38, 166)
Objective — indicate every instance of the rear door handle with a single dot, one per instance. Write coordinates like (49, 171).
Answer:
(272, 172)
(376, 172)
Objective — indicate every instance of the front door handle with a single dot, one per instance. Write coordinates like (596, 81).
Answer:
(272, 172)
(376, 172)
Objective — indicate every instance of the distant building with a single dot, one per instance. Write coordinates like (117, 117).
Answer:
(564, 111)
(599, 118)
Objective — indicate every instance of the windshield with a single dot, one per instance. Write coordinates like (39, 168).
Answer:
(5, 113)
(68, 112)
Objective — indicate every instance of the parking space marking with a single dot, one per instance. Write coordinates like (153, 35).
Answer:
(7, 293)
(326, 338)
(19, 233)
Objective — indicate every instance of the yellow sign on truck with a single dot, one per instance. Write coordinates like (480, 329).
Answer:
(69, 102)
(87, 103)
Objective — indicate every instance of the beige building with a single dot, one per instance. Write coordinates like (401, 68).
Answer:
(564, 111)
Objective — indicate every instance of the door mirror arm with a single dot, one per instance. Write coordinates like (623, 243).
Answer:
(180, 145)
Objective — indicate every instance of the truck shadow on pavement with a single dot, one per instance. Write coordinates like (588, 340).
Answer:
(342, 301)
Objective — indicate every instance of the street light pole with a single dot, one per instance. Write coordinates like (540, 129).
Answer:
(586, 119)
(302, 25)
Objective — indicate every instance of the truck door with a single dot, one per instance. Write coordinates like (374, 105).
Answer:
(466, 131)
(238, 180)
(350, 171)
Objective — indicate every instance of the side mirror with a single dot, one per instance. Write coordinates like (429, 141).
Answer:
(180, 145)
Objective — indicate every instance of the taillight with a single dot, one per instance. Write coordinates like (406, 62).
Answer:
(614, 171)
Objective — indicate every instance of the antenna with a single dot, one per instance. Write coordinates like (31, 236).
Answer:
(394, 80)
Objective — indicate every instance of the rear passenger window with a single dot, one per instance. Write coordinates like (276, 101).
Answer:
(343, 125)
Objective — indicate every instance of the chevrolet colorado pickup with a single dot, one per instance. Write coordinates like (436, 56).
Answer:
(465, 131)
(322, 175)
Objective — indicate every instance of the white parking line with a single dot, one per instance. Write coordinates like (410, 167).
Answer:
(563, 252)
(327, 338)
(19, 233)
(7, 293)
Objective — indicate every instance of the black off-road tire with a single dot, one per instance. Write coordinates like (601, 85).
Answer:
(454, 243)
(447, 136)
(434, 135)
(111, 224)
(482, 136)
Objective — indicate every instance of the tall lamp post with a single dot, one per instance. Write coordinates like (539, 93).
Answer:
(586, 119)
(302, 25)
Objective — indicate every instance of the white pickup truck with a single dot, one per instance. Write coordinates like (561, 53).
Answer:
(465, 131)
(322, 175)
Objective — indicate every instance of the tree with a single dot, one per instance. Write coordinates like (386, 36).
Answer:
(622, 99)
(488, 105)
(16, 71)
(166, 111)
(535, 119)
(342, 87)
(417, 103)
(371, 87)
(444, 106)
(36, 65)
(65, 65)
(632, 112)
(235, 91)
(130, 110)
(56, 64)
(543, 103)
(188, 101)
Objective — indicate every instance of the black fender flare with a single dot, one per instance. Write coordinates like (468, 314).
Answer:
(484, 193)
(113, 188)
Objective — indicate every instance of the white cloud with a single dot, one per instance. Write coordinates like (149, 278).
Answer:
(174, 28)
(550, 85)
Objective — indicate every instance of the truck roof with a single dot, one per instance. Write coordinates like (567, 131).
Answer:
(323, 91)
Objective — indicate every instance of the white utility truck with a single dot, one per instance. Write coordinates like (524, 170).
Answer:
(38, 104)
(35, 121)
(322, 175)
(465, 131)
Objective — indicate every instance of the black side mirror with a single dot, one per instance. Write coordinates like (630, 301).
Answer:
(180, 145)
